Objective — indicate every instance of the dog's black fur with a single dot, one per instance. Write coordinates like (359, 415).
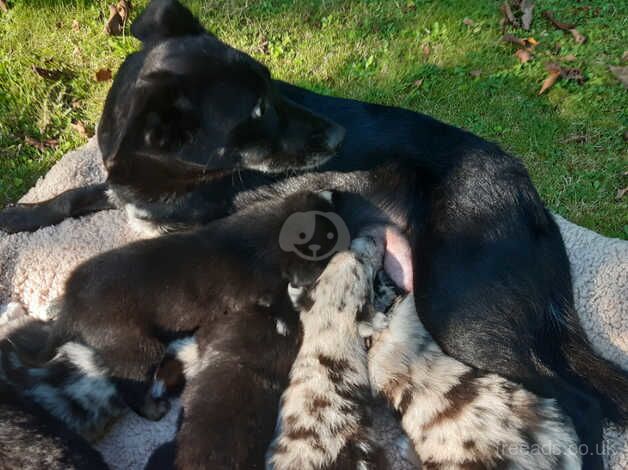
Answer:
(187, 117)
(31, 439)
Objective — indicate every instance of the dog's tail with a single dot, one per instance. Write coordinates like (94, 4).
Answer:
(606, 380)
(73, 385)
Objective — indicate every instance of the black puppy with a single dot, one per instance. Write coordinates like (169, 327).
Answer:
(219, 281)
(491, 275)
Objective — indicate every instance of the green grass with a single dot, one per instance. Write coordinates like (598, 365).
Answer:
(570, 138)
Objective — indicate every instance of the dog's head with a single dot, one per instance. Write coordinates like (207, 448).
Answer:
(191, 105)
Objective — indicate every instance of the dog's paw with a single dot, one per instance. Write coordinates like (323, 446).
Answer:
(154, 408)
(18, 218)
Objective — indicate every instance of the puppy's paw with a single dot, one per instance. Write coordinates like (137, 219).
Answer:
(295, 294)
(154, 408)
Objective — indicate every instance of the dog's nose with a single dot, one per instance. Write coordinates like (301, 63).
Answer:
(335, 136)
(314, 248)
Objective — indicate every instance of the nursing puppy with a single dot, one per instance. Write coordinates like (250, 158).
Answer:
(458, 417)
(325, 420)
(31, 438)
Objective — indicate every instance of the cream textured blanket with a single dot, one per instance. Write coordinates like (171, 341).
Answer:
(33, 268)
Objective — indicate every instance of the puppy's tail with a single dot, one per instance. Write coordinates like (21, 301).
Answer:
(73, 385)
(607, 381)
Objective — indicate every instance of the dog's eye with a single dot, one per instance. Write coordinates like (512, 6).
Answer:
(258, 110)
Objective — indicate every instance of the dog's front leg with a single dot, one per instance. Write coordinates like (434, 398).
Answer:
(72, 203)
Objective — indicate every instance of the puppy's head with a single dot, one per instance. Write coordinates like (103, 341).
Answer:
(192, 105)
(311, 234)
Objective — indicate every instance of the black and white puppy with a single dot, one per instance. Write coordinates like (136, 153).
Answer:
(45, 416)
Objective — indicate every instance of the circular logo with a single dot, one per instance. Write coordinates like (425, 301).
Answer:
(314, 235)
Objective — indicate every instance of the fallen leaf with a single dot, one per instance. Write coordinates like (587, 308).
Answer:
(549, 16)
(508, 15)
(124, 10)
(621, 74)
(578, 36)
(570, 58)
(49, 74)
(514, 40)
(475, 73)
(41, 145)
(552, 77)
(624, 57)
(576, 139)
(572, 73)
(4, 6)
(103, 75)
(468, 22)
(263, 45)
(426, 50)
(76, 26)
(523, 55)
(418, 83)
(621, 193)
(527, 8)
(82, 129)
(527, 43)
(114, 25)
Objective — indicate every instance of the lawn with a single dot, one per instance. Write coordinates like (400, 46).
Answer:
(442, 57)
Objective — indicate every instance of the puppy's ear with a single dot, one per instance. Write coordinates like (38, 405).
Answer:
(163, 19)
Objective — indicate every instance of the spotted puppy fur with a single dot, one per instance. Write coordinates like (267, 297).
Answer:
(458, 417)
(74, 387)
(325, 417)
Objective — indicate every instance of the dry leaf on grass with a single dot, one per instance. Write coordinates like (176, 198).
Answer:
(82, 129)
(427, 50)
(103, 75)
(418, 83)
(523, 55)
(263, 45)
(114, 25)
(621, 193)
(568, 27)
(621, 74)
(4, 6)
(124, 10)
(468, 22)
(552, 77)
(508, 17)
(549, 16)
(624, 57)
(527, 9)
(76, 26)
(556, 71)
(475, 73)
(578, 36)
(527, 43)
(570, 58)
(41, 145)
(52, 74)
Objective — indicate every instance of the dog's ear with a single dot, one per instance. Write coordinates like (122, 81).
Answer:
(163, 19)
(161, 118)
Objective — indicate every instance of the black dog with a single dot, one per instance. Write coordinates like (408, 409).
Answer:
(187, 115)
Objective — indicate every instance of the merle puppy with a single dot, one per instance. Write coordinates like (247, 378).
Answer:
(189, 118)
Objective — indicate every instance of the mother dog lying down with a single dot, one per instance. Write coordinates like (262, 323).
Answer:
(188, 118)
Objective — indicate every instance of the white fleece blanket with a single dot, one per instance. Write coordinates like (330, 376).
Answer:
(33, 268)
